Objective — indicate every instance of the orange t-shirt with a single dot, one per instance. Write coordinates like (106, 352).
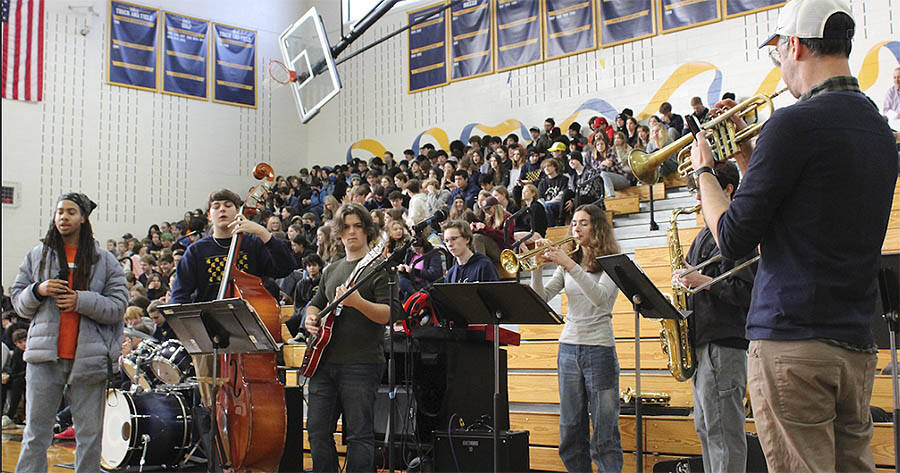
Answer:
(68, 323)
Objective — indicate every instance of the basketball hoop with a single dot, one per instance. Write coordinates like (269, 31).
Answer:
(280, 73)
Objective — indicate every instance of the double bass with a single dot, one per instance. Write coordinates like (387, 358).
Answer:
(250, 405)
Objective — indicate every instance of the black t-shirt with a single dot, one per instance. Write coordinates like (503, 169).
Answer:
(355, 338)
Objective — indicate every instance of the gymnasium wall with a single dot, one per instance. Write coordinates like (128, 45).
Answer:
(143, 157)
(374, 111)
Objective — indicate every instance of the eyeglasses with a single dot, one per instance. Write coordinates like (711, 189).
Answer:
(451, 239)
(775, 56)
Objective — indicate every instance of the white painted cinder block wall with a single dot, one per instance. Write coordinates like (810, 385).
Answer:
(142, 156)
(147, 157)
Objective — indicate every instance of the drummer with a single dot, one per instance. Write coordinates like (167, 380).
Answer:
(162, 331)
(134, 319)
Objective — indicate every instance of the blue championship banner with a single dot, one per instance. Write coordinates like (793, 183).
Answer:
(734, 8)
(132, 46)
(518, 33)
(570, 27)
(470, 43)
(427, 48)
(235, 66)
(625, 20)
(184, 56)
(677, 15)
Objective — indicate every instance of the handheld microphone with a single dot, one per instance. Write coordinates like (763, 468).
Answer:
(439, 216)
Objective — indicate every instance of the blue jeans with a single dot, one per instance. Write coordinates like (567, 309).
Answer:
(589, 383)
(347, 391)
(719, 385)
(553, 210)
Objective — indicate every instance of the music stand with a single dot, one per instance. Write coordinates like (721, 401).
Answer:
(218, 327)
(649, 302)
(494, 303)
(888, 306)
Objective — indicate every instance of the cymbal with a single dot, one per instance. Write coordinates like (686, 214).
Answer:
(130, 332)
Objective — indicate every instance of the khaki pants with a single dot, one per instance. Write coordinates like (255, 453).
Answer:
(811, 405)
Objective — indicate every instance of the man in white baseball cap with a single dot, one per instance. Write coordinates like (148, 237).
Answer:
(816, 197)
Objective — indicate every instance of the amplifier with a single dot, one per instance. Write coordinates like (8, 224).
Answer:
(465, 450)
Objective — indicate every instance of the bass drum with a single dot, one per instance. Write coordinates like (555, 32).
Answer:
(171, 363)
(154, 425)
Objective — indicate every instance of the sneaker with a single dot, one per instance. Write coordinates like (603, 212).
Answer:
(8, 423)
(68, 434)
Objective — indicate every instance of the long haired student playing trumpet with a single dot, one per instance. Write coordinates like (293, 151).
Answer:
(587, 363)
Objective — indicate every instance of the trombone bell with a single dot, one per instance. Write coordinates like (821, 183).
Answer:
(724, 140)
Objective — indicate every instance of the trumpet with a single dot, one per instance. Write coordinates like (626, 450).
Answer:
(531, 260)
(725, 141)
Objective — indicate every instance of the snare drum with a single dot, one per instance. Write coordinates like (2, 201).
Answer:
(172, 363)
(137, 364)
(154, 425)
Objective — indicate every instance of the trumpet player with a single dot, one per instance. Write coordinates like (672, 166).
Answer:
(587, 363)
(816, 196)
(719, 313)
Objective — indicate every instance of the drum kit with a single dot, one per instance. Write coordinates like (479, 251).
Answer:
(151, 424)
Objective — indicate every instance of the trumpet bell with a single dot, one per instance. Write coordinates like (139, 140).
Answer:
(530, 260)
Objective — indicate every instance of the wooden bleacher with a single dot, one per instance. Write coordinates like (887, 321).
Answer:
(643, 192)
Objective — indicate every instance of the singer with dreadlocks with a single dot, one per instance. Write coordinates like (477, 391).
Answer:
(75, 294)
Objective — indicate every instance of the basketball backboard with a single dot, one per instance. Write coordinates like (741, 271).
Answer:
(306, 51)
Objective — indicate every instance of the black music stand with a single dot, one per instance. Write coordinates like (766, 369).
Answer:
(888, 306)
(218, 327)
(494, 303)
(649, 302)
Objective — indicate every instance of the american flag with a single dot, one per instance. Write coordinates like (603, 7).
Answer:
(23, 50)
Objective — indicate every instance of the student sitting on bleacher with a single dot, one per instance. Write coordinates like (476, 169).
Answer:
(611, 171)
(535, 220)
(552, 191)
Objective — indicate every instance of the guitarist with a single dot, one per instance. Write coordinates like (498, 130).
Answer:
(348, 375)
(200, 273)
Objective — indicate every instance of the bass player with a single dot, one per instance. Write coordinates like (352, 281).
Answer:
(350, 370)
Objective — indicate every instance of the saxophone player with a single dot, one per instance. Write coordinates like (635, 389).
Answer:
(717, 324)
